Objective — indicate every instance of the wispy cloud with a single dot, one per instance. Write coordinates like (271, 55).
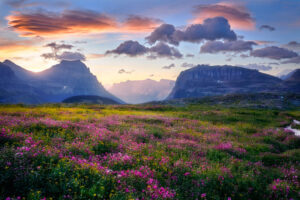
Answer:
(123, 71)
(45, 23)
(267, 27)
(169, 66)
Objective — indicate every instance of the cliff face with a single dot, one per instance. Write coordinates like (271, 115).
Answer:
(72, 78)
(205, 80)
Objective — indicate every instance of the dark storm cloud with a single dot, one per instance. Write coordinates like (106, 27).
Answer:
(211, 29)
(228, 46)
(267, 27)
(273, 52)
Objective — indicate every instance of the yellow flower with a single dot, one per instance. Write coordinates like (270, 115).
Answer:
(95, 195)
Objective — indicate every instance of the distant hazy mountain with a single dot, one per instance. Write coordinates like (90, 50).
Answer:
(141, 91)
(204, 80)
(66, 79)
(90, 99)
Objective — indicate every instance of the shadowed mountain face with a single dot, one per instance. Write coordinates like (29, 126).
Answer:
(204, 80)
(294, 76)
(292, 82)
(14, 90)
(66, 79)
(142, 90)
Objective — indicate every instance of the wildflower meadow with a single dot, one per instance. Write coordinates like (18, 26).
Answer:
(148, 152)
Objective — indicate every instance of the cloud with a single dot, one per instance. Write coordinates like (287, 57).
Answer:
(67, 55)
(15, 3)
(138, 23)
(211, 29)
(293, 45)
(169, 66)
(71, 56)
(260, 67)
(187, 65)
(163, 33)
(189, 55)
(123, 71)
(130, 48)
(57, 47)
(44, 23)
(228, 46)
(237, 15)
(295, 60)
(263, 42)
(134, 48)
(273, 52)
(163, 50)
(267, 27)
(95, 55)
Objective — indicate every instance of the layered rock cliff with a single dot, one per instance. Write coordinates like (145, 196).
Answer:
(204, 80)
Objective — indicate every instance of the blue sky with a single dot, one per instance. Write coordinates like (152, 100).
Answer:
(94, 27)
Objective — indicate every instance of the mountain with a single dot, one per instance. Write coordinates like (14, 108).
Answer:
(66, 79)
(204, 80)
(20, 72)
(292, 82)
(294, 76)
(72, 78)
(141, 91)
(14, 90)
(90, 99)
(286, 74)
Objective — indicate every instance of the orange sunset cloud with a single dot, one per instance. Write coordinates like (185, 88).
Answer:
(237, 15)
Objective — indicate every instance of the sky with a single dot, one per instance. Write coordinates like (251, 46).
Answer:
(123, 40)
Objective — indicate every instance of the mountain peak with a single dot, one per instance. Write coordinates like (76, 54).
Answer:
(8, 62)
